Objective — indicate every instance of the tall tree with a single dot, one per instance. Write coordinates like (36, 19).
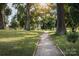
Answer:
(27, 21)
(2, 6)
(7, 13)
(60, 19)
(20, 15)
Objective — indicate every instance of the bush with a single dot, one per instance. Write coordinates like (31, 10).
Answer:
(72, 37)
(14, 24)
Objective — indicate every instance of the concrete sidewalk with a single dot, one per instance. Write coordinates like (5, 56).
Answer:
(46, 47)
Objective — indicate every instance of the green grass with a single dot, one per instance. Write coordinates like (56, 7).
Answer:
(69, 48)
(18, 42)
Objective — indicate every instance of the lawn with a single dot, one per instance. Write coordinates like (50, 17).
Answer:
(69, 48)
(18, 42)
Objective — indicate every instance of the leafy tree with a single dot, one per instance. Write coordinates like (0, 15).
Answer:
(48, 22)
(14, 24)
(28, 17)
(72, 13)
(43, 11)
(20, 13)
(23, 15)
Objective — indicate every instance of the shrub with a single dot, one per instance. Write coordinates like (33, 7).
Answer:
(72, 37)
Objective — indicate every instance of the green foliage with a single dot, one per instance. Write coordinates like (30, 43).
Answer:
(8, 11)
(20, 16)
(72, 16)
(14, 24)
(36, 11)
(2, 6)
(72, 37)
(48, 22)
(68, 48)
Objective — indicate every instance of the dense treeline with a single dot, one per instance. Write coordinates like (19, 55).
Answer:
(32, 16)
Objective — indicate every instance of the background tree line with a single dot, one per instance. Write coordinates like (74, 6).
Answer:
(32, 16)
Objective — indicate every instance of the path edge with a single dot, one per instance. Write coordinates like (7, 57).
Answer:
(37, 45)
(54, 43)
(61, 50)
(58, 47)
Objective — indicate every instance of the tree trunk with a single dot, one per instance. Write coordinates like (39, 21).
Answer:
(60, 19)
(1, 20)
(27, 21)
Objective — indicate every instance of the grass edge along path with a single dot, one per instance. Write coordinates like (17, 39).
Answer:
(68, 48)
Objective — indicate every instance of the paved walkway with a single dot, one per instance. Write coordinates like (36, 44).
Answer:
(46, 47)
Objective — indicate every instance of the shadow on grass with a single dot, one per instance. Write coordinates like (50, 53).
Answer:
(24, 47)
(18, 46)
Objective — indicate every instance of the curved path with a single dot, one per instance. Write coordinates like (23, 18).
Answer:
(46, 47)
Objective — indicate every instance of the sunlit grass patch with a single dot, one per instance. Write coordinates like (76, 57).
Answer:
(9, 33)
(17, 43)
(11, 39)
